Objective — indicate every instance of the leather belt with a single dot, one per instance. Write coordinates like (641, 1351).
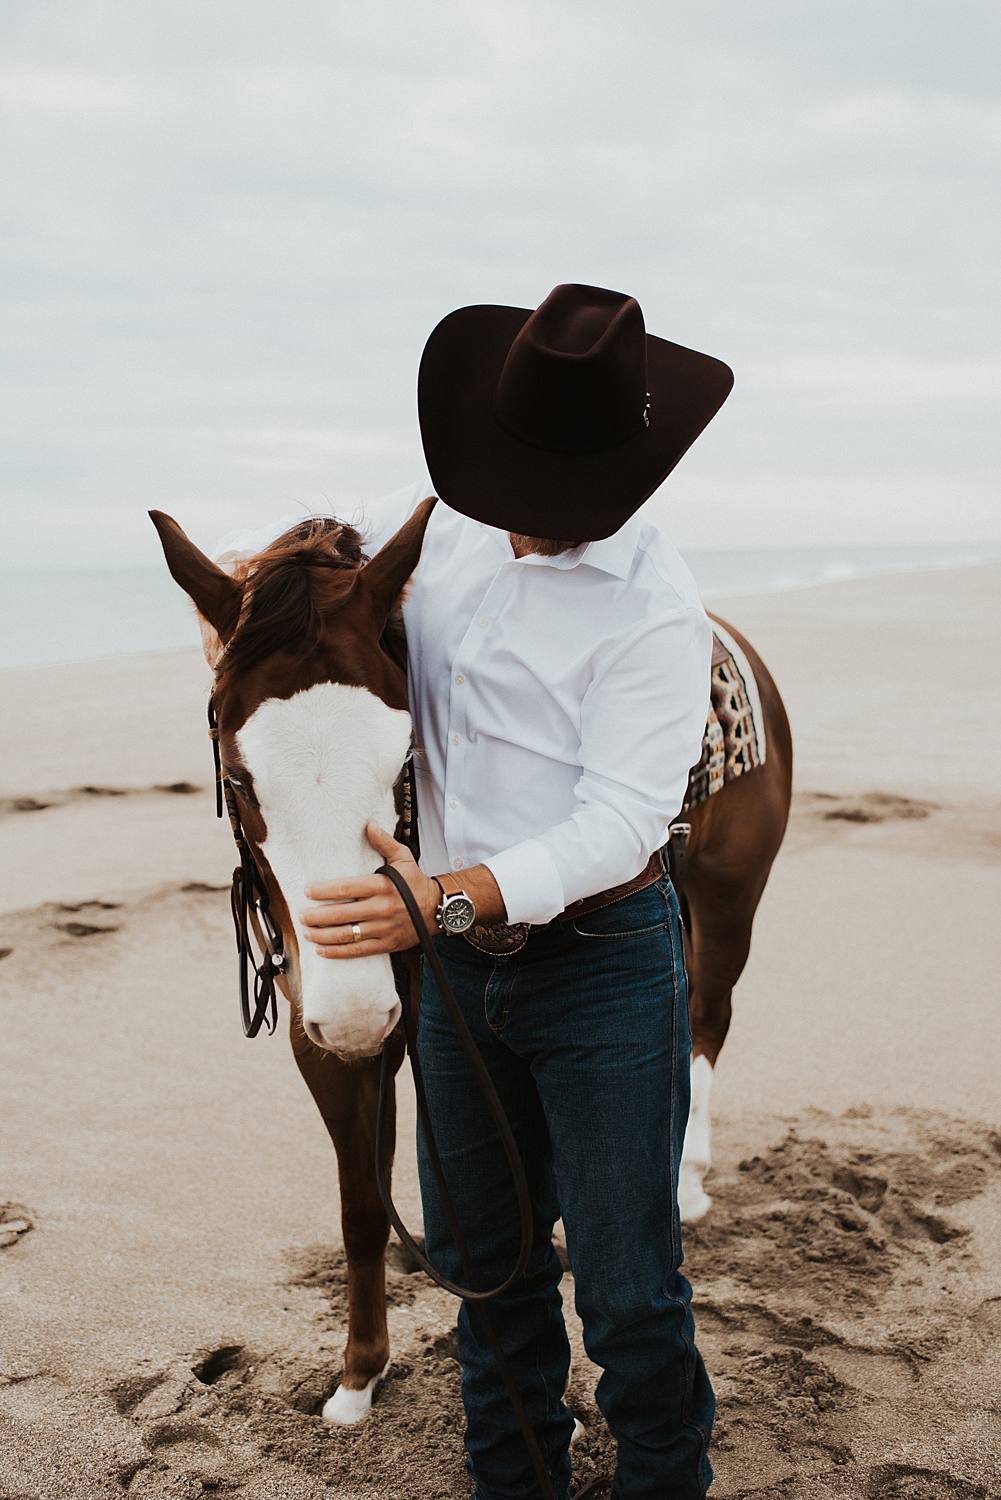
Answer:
(511, 937)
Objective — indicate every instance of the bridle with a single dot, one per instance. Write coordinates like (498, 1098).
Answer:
(251, 908)
(250, 903)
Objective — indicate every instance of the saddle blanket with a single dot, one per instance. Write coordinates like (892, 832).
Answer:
(734, 741)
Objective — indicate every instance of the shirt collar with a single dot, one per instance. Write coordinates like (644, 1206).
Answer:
(612, 554)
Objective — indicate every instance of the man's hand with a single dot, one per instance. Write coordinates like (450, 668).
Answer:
(369, 905)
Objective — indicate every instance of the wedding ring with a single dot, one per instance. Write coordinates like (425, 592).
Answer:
(356, 931)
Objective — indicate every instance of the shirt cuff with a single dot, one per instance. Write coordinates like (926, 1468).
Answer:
(529, 882)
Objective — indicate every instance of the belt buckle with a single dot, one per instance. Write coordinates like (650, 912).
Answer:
(498, 938)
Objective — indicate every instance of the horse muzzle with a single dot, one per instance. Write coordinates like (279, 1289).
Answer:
(352, 1044)
(348, 1006)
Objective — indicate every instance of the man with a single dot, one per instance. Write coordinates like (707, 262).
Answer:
(560, 666)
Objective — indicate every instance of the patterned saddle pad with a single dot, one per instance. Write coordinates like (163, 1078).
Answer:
(734, 741)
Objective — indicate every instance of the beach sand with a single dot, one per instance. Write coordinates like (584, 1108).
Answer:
(172, 1310)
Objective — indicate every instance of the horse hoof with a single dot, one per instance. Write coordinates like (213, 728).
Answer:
(344, 1408)
(578, 1431)
(693, 1200)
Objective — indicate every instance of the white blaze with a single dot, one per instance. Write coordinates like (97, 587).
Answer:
(324, 763)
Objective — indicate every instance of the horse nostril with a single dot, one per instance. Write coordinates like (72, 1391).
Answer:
(394, 1016)
(314, 1033)
(331, 1040)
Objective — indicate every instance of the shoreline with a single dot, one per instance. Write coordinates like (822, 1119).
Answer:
(711, 594)
(795, 587)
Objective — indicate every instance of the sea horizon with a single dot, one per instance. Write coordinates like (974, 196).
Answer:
(115, 611)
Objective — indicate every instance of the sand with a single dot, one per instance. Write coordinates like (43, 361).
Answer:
(171, 1286)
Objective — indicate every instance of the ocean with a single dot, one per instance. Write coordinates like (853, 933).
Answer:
(54, 615)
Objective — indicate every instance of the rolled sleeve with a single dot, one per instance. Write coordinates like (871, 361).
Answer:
(529, 882)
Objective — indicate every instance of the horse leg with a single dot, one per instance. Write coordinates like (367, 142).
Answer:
(719, 943)
(735, 837)
(347, 1098)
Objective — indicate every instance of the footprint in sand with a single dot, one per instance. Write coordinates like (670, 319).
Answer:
(77, 927)
(841, 1219)
(81, 920)
(869, 807)
(210, 1369)
(325, 1268)
(901, 1482)
(178, 1416)
(15, 1222)
(817, 1299)
(66, 796)
(23, 804)
(89, 905)
(84, 929)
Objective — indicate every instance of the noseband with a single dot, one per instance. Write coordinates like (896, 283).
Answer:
(251, 908)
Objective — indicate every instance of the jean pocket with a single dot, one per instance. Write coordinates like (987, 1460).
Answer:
(642, 915)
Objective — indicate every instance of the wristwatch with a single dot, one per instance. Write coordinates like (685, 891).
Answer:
(456, 911)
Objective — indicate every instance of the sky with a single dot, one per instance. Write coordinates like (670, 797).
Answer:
(226, 231)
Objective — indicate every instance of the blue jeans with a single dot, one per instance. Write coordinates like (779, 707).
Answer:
(585, 1033)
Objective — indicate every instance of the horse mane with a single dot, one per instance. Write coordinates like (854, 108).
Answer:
(284, 587)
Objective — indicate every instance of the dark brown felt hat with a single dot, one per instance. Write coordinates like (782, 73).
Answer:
(559, 422)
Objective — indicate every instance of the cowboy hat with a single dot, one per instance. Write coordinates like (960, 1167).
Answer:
(559, 422)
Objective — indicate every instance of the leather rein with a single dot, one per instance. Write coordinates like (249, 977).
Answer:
(251, 908)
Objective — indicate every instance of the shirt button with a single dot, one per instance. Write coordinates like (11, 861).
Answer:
(456, 739)
(457, 864)
(459, 678)
(483, 622)
(453, 801)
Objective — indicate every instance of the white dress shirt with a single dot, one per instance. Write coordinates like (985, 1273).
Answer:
(558, 702)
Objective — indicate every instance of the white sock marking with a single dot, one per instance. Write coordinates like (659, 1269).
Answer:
(344, 1408)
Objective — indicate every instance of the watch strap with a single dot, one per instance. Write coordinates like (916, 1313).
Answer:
(438, 909)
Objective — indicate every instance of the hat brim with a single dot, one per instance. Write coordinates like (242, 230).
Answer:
(483, 471)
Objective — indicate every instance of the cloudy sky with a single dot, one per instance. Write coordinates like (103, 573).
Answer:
(228, 228)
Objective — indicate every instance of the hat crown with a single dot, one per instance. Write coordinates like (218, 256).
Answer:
(575, 376)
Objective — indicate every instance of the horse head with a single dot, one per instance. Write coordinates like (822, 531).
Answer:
(310, 697)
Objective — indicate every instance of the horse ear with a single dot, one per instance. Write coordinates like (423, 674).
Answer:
(386, 575)
(214, 594)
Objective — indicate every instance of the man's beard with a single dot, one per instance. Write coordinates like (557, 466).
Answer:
(543, 545)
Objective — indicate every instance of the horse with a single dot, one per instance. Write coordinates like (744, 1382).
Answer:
(310, 700)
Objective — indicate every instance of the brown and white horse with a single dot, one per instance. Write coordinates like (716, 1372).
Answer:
(311, 699)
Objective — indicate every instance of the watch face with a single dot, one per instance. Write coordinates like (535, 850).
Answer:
(458, 914)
